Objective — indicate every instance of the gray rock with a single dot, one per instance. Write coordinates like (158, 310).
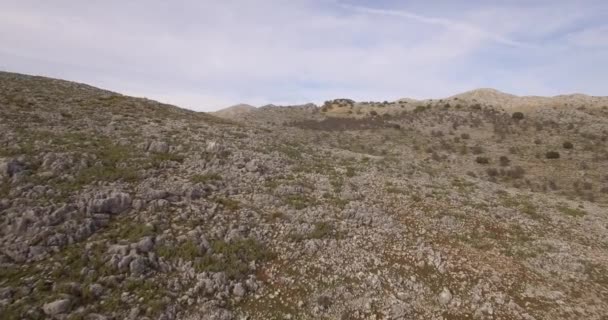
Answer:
(57, 307)
(114, 203)
(445, 296)
(239, 290)
(252, 166)
(95, 316)
(10, 167)
(138, 266)
(125, 262)
(145, 245)
(96, 289)
(158, 147)
(6, 293)
(119, 249)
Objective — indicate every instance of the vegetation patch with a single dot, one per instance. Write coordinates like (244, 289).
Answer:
(573, 212)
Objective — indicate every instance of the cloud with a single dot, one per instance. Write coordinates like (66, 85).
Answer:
(447, 23)
(209, 54)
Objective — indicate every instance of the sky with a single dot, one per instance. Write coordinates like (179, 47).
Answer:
(206, 55)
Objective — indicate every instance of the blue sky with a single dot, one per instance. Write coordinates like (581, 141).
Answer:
(206, 55)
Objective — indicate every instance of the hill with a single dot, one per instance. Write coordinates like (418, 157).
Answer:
(234, 111)
(114, 207)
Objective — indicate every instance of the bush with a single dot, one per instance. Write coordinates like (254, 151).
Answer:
(552, 155)
(205, 178)
(516, 173)
(465, 136)
(482, 160)
(492, 172)
(419, 108)
(477, 150)
(517, 116)
(504, 161)
(568, 145)
(373, 113)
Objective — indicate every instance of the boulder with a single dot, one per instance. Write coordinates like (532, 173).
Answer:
(158, 147)
(96, 289)
(138, 266)
(445, 297)
(238, 290)
(145, 245)
(57, 307)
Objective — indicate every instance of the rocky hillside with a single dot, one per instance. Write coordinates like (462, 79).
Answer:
(115, 207)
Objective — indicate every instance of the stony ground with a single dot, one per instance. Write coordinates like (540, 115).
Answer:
(115, 207)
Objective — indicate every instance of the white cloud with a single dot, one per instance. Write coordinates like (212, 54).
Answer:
(458, 26)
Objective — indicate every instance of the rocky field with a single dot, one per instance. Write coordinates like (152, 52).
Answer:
(479, 206)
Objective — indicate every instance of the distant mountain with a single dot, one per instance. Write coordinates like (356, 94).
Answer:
(493, 97)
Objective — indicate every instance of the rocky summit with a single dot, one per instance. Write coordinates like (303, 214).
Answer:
(479, 206)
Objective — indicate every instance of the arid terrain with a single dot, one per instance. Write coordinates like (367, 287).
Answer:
(483, 205)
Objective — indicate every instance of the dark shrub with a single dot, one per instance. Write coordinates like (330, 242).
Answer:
(465, 136)
(492, 172)
(504, 161)
(516, 173)
(537, 141)
(568, 145)
(373, 113)
(517, 115)
(482, 160)
(552, 155)
(477, 150)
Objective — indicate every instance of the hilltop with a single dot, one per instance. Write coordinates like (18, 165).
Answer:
(234, 111)
(482, 205)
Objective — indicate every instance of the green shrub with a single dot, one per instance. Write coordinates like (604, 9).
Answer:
(228, 204)
(205, 178)
(297, 201)
(234, 257)
(573, 212)
(350, 171)
(321, 230)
